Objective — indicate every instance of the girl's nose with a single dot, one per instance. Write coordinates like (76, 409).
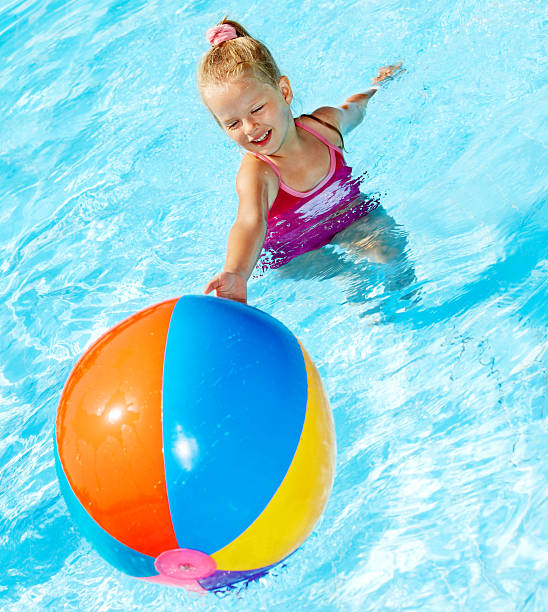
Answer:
(249, 125)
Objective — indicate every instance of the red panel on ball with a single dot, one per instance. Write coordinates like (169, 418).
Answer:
(109, 432)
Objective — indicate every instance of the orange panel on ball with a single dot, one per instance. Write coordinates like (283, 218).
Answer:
(109, 432)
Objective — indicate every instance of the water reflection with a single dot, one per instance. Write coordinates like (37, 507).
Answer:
(371, 260)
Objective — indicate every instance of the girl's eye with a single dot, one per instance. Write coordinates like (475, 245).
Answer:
(257, 109)
(232, 125)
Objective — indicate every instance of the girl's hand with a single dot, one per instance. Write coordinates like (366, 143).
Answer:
(386, 72)
(229, 285)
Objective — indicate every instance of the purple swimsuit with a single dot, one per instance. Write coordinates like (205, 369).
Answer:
(303, 221)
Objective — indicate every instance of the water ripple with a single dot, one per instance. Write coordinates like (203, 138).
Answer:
(117, 191)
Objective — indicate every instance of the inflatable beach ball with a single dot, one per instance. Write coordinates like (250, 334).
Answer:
(194, 443)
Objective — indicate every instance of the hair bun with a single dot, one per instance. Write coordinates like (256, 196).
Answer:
(220, 33)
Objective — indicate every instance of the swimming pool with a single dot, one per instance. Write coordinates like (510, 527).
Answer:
(118, 191)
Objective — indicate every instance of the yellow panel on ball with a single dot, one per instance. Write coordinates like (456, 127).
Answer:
(291, 514)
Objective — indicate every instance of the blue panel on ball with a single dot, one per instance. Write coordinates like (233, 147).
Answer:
(233, 409)
(117, 554)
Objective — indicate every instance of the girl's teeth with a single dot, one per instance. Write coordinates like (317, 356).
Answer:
(262, 137)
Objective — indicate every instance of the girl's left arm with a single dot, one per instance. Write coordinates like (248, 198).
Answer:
(352, 111)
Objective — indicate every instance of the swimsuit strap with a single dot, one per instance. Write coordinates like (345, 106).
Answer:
(270, 163)
(326, 124)
(332, 150)
(312, 131)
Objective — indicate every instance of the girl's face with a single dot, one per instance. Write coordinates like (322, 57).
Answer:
(253, 113)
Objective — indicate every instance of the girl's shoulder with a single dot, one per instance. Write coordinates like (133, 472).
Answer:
(318, 119)
(252, 166)
(254, 173)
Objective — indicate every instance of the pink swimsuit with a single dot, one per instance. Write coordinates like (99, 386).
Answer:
(303, 221)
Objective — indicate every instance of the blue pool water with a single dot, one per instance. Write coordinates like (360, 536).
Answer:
(117, 191)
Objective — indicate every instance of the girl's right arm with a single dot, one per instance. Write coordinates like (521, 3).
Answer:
(246, 237)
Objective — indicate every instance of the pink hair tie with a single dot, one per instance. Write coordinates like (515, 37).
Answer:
(220, 33)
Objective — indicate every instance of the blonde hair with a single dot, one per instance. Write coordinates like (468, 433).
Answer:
(232, 58)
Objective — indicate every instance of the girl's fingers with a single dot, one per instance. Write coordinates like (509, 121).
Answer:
(213, 284)
(386, 72)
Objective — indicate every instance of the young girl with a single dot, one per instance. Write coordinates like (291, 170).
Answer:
(294, 188)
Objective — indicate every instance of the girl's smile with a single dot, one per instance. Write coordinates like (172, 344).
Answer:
(263, 140)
